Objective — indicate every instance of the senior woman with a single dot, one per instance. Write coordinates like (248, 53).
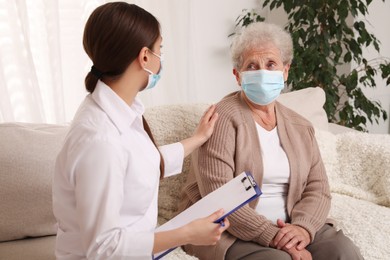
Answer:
(256, 133)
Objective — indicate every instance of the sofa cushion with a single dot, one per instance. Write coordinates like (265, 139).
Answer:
(27, 155)
(364, 165)
(358, 168)
(309, 103)
(366, 223)
(41, 248)
(357, 164)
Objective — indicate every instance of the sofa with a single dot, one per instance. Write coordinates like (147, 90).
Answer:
(358, 166)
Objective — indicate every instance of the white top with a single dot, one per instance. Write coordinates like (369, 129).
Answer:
(273, 202)
(106, 181)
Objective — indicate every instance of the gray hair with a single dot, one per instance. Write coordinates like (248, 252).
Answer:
(258, 34)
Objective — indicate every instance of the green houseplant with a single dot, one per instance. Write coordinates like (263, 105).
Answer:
(323, 42)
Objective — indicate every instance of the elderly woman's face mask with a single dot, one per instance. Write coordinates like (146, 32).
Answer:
(262, 86)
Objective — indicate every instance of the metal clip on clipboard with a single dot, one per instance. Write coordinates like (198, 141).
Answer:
(249, 179)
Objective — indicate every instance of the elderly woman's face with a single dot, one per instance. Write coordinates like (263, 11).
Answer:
(263, 58)
(267, 58)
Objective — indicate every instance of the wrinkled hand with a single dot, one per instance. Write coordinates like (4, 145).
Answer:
(206, 124)
(298, 254)
(290, 236)
(204, 231)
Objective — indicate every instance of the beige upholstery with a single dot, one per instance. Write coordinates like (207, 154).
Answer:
(309, 103)
(27, 154)
(41, 248)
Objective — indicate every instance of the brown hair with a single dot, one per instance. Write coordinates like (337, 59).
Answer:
(147, 129)
(114, 35)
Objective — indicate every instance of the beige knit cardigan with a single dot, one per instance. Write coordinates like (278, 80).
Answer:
(233, 148)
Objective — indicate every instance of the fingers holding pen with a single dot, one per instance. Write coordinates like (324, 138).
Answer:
(205, 231)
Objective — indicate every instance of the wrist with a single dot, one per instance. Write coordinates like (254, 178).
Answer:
(305, 232)
(199, 139)
(184, 234)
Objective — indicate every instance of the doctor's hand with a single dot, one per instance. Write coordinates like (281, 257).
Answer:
(206, 125)
(204, 231)
(202, 132)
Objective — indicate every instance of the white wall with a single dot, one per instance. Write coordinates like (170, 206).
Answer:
(379, 20)
(204, 51)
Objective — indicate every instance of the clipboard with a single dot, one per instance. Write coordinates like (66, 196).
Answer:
(231, 196)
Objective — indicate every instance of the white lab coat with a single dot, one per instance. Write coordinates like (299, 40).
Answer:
(106, 180)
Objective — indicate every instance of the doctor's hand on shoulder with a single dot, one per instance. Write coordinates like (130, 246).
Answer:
(202, 132)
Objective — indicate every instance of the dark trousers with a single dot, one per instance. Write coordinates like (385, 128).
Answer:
(328, 244)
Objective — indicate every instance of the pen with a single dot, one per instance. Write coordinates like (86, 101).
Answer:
(222, 223)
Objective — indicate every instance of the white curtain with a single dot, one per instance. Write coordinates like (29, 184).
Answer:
(30, 62)
(41, 58)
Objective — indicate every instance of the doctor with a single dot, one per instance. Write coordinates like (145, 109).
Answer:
(108, 170)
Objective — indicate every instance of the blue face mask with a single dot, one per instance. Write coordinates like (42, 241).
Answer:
(262, 86)
(154, 78)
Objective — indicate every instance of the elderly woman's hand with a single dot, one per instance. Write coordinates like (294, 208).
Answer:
(202, 132)
(290, 236)
(298, 254)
